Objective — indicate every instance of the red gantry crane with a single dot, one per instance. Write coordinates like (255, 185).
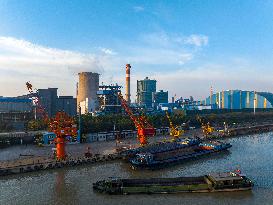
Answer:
(62, 124)
(144, 128)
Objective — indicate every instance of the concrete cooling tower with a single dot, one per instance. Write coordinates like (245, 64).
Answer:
(87, 91)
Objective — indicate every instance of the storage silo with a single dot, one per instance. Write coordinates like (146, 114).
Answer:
(87, 90)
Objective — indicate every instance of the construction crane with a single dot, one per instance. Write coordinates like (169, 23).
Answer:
(206, 127)
(144, 128)
(175, 131)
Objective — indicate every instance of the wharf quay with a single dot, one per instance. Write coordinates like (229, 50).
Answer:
(38, 163)
(256, 129)
(31, 164)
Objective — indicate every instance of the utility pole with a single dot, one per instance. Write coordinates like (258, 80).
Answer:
(80, 122)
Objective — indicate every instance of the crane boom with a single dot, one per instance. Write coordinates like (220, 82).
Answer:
(206, 128)
(144, 128)
(174, 132)
(36, 101)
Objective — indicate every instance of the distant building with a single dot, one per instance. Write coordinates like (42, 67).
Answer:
(160, 97)
(48, 99)
(108, 99)
(239, 99)
(52, 103)
(145, 89)
(15, 112)
(13, 104)
(67, 104)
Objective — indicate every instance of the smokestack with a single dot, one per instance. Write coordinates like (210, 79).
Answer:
(211, 93)
(127, 86)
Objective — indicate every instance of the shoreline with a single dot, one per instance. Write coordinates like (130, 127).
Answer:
(106, 151)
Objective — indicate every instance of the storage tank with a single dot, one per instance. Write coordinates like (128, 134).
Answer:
(87, 87)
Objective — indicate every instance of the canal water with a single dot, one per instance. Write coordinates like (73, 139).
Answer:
(252, 154)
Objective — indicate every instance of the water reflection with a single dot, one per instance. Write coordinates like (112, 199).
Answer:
(64, 192)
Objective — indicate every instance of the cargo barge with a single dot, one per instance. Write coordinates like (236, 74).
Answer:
(217, 182)
(160, 147)
(149, 160)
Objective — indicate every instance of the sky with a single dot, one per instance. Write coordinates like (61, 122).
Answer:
(187, 46)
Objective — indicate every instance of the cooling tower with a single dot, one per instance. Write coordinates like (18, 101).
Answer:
(87, 87)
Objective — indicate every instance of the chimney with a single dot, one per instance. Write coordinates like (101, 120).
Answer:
(127, 86)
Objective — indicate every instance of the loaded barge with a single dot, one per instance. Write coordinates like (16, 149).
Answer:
(164, 158)
(217, 182)
(160, 147)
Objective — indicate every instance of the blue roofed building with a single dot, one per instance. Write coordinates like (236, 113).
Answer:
(240, 99)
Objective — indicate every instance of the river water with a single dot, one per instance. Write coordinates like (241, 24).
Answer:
(252, 154)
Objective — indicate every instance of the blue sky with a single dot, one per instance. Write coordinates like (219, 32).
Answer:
(187, 46)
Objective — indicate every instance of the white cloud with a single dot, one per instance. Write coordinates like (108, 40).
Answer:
(21, 60)
(138, 8)
(196, 40)
(185, 57)
(164, 48)
(166, 39)
(18, 54)
(108, 51)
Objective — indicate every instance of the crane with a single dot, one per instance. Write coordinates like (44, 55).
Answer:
(62, 124)
(206, 128)
(175, 132)
(144, 128)
(36, 101)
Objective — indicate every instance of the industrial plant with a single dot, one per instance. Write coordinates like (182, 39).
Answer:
(99, 99)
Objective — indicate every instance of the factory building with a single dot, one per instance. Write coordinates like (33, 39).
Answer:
(87, 89)
(13, 104)
(160, 97)
(67, 104)
(145, 90)
(48, 98)
(108, 99)
(52, 103)
(15, 112)
(240, 99)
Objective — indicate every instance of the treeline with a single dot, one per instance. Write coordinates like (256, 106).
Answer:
(123, 122)
(116, 122)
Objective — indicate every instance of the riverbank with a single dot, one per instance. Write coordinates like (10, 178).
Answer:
(252, 154)
(40, 159)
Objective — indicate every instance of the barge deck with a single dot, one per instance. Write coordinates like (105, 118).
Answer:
(216, 182)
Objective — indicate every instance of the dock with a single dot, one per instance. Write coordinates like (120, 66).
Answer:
(38, 163)
(45, 163)
(251, 130)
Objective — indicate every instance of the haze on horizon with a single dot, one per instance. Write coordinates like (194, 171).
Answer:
(187, 46)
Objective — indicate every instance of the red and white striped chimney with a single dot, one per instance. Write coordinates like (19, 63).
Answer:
(127, 86)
